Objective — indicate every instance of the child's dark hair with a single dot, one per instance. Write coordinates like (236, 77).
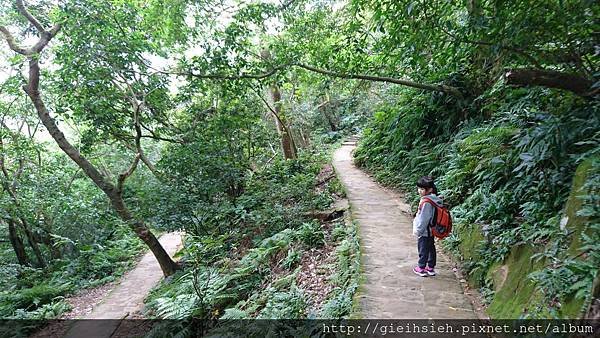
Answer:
(427, 182)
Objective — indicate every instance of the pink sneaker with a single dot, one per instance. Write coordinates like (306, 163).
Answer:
(430, 271)
(420, 271)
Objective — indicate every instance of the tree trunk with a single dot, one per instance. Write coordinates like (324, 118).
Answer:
(305, 140)
(49, 242)
(17, 244)
(287, 141)
(41, 262)
(167, 265)
(332, 125)
(325, 108)
(23, 223)
(552, 79)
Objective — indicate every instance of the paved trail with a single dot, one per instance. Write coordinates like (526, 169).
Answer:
(389, 252)
(391, 290)
(127, 297)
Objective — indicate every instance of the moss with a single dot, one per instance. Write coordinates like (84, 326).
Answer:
(572, 307)
(517, 293)
(496, 275)
(471, 238)
(575, 223)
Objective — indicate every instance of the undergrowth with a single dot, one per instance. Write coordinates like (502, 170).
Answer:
(506, 170)
(250, 270)
(40, 293)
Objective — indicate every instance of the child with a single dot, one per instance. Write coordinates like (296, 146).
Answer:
(421, 227)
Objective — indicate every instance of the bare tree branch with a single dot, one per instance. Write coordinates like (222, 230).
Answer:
(145, 160)
(154, 136)
(45, 35)
(271, 109)
(138, 146)
(432, 87)
(123, 176)
(11, 41)
(234, 77)
(29, 17)
(441, 88)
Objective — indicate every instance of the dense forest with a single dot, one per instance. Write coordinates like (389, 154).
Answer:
(122, 120)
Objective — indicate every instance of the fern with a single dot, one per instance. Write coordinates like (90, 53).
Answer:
(233, 313)
(179, 307)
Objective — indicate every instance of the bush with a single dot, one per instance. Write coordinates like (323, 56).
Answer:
(508, 171)
(30, 298)
(311, 234)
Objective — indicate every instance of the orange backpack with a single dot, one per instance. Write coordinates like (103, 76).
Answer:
(442, 220)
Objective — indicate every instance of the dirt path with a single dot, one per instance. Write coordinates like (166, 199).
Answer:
(389, 252)
(128, 297)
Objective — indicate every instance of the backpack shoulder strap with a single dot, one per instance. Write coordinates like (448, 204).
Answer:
(435, 212)
(426, 200)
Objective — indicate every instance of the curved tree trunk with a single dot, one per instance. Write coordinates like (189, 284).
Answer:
(432, 87)
(287, 140)
(114, 193)
(167, 265)
(326, 108)
(17, 244)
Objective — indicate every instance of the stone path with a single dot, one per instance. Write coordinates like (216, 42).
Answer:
(128, 297)
(389, 250)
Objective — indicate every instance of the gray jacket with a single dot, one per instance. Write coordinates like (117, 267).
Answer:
(424, 217)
